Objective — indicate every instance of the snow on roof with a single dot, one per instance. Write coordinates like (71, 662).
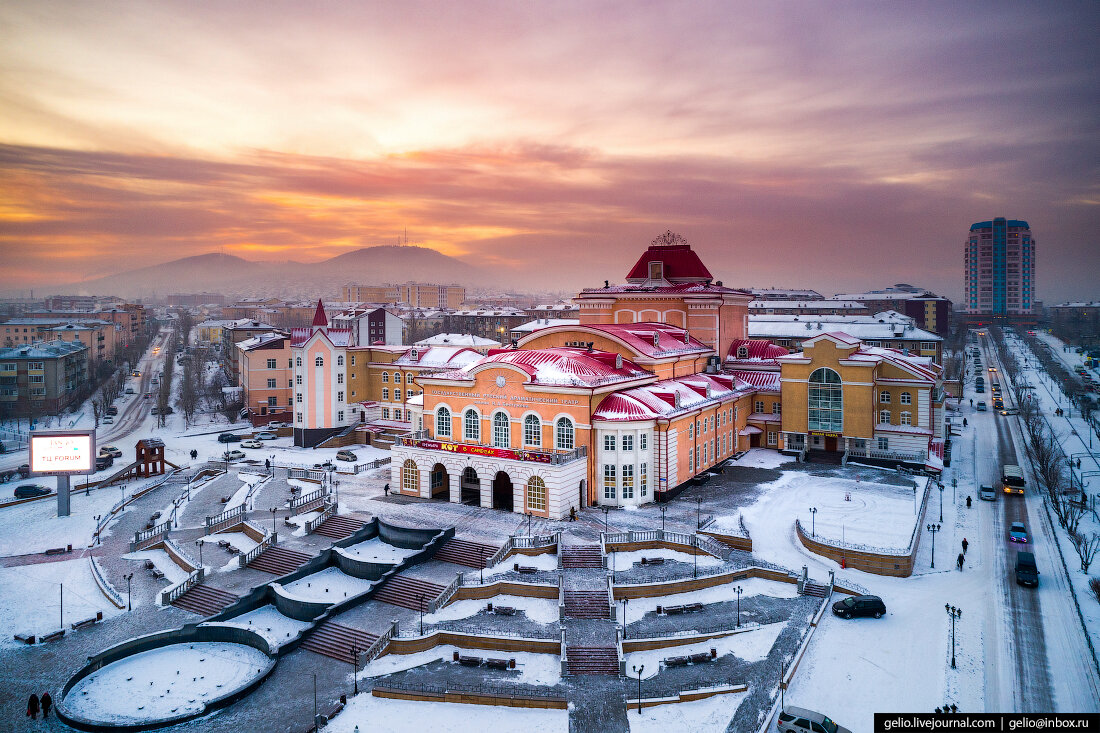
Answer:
(457, 339)
(263, 339)
(545, 323)
(765, 327)
(669, 397)
(42, 350)
(690, 288)
(439, 357)
(651, 340)
(807, 304)
(755, 350)
(761, 380)
(560, 366)
(910, 429)
(336, 336)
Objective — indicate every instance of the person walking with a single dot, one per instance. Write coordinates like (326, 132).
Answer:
(965, 545)
(960, 560)
(964, 422)
(32, 707)
(47, 703)
(968, 502)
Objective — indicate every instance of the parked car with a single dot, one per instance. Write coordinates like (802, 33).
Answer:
(800, 720)
(233, 455)
(1010, 411)
(1017, 532)
(229, 438)
(987, 493)
(326, 466)
(130, 390)
(28, 491)
(860, 606)
(265, 435)
(107, 420)
(276, 424)
(346, 455)
(1026, 571)
(24, 470)
(110, 450)
(112, 410)
(981, 407)
(102, 462)
(251, 443)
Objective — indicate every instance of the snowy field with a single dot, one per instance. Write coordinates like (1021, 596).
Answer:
(718, 594)
(534, 669)
(328, 586)
(35, 526)
(539, 610)
(750, 646)
(173, 573)
(626, 560)
(171, 680)
(762, 458)
(545, 561)
(375, 550)
(267, 621)
(46, 584)
(371, 713)
(711, 714)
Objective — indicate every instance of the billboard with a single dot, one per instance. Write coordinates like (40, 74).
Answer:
(62, 451)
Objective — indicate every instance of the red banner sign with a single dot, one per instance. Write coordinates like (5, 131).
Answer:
(482, 450)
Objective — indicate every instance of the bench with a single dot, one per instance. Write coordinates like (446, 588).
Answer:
(692, 607)
(158, 575)
(233, 550)
(525, 569)
(59, 550)
(149, 565)
(52, 636)
(653, 561)
(288, 523)
(224, 544)
(85, 623)
(225, 499)
(504, 611)
(469, 661)
(700, 658)
(155, 516)
(676, 662)
(25, 638)
(500, 663)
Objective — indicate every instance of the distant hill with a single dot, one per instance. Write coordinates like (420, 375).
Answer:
(233, 275)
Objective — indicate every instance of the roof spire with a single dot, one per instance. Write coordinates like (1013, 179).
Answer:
(320, 320)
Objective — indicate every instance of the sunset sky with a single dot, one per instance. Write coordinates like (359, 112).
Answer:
(828, 145)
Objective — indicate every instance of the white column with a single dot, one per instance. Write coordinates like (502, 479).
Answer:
(455, 480)
(486, 492)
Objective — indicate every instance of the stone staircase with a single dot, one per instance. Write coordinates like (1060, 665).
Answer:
(581, 556)
(338, 527)
(587, 604)
(279, 560)
(464, 552)
(810, 588)
(592, 660)
(204, 600)
(407, 592)
(336, 641)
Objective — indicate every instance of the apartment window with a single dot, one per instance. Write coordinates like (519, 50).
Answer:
(271, 384)
(298, 417)
(385, 413)
(884, 397)
(298, 361)
(38, 365)
(38, 392)
(272, 401)
(297, 378)
(352, 375)
(628, 442)
(385, 393)
(906, 398)
(642, 440)
(758, 406)
(298, 398)
(691, 459)
(691, 431)
(271, 364)
(643, 479)
(36, 379)
(883, 443)
(532, 430)
(773, 438)
(339, 396)
(289, 363)
(340, 360)
(609, 481)
(397, 395)
(340, 415)
(397, 414)
(471, 425)
(563, 432)
(927, 345)
(536, 494)
(609, 442)
(410, 478)
(906, 418)
(7, 368)
(340, 378)
(884, 417)
(443, 423)
(353, 359)
(501, 430)
(777, 408)
(385, 377)
(408, 377)
(397, 377)
(628, 481)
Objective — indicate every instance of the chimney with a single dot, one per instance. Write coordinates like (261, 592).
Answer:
(607, 283)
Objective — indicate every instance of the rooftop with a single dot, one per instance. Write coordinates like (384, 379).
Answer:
(558, 366)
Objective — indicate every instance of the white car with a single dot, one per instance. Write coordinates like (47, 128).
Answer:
(232, 455)
(265, 435)
(251, 443)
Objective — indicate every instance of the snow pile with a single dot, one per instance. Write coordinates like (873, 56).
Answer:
(173, 573)
(328, 586)
(375, 550)
(300, 521)
(31, 598)
(539, 610)
(749, 646)
(171, 680)
(406, 716)
(624, 560)
(545, 561)
(637, 607)
(534, 669)
(269, 623)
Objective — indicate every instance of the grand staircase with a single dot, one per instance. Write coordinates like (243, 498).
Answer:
(407, 592)
(587, 604)
(592, 660)
(464, 552)
(581, 556)
(337, 641)
(204, 600)
(279, 560)
(338, 527)
(810, 588)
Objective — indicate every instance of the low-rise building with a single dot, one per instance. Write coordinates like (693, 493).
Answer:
(267, 376)
(889, 330)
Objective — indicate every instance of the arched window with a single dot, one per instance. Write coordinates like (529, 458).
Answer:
(564, 433)
(501, 432)
(532, 431)
(385, 377)
(906, 398)
(298, 361)
(471, 425)
(825, 401)
(536, 494)
(397, 377)
(319, 361)
(443, 423)
(410, 478)
(742, 352)
(340, 360)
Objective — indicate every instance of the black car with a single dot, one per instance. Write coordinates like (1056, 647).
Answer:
(102, 462)
(28, 491)
(860, 606)
(112, 410)
(229, 438)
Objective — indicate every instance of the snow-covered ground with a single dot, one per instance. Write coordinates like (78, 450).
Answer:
(534, 669)
(626, 560)
(328, 586)
(711, 714)
(375, 550)
(749, 646)
(267, 621)
(35, 526)
(171, 680)
(173, 573)
(32, 596)
(405, 716)
(301, 520)
(539, 610)
(717, 594)
(545, 561)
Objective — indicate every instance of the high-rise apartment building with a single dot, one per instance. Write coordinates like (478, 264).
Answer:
(999, 268)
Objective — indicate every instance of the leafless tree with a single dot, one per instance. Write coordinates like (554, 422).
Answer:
(96, 411)
(1086, 548)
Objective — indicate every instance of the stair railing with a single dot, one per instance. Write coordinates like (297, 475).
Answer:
(169, 595)
(246, 557)
(445, 595)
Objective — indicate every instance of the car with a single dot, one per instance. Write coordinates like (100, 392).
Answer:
(130, 390)
(229, 438)
(155, 411)
(979, 389)
(987, 493)
(276, 424)
(148, 395)
(110, 450)
(107, 420)
(102, 462)
(112, 410)
(981, 407)
(1027, 573)
(346, 455)
(135, 373)
(168, 410)
(1010, 411)
(29, 491)
(800, 720)
(998, 405)
(233, 455)
(265, 435)
(992, 369)
(326, 466)
(860, 606)
(1017, 532)
(251, 443)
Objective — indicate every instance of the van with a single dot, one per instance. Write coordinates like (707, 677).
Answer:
(1026, 571)
(987, 493)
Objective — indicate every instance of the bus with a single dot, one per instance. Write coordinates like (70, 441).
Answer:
(1013, 479)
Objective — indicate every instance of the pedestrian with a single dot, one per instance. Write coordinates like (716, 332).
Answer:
(960, 560)
(971, 401)
(965, 545)
(32, 707)
(967, 502)
(47, 703)
(572, 514)
(964, 422)
(386, 489)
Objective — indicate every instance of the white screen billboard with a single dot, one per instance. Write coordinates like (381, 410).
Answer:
(63, 452)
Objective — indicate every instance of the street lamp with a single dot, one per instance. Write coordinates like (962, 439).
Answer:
(699, 511)
(421, 604)
(484, 557)
(664, 510)
(738, 591)
(941, 501)
(606, 509)
(272, 520)
(695, 555)
(355, 667)
(954, 613)
(934, 528)
(625, 601)
(813, 521)
(199, 543)
(129, 606)
(638, 671)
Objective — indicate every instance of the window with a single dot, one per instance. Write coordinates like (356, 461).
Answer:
(532, 430)
(385, 413)
(758, 406)
(628, 481)
(471, 426)
(408, 377)
(884, 417)
(340, 360)
(385, 393)
(628, 442)
(536, 494)
(906, 418)
(297, 378)
(643, 479)
(609, 481)
(609, 442)
(319, 361)
(410, 478)
(742, 352)
(298, 361)
(691, 459)
(883, 443)
(773, 439)
(385, 377)
(691, 431)
(271, 364)
(272, 401)
(298, 398)
(397, 414)
(825, 401)
(397, 395)
(777, 408)
(443, 423)
(352, 375)
(927, 345)
(36, 379)
(271, 384)
(299, 417)
(397, 377)
(339, 396)
(563, 434)
(884, 397)
(642, 440)
(353, 359)
(906, 398)
(340, 378)
(340, 415)
(501, 430)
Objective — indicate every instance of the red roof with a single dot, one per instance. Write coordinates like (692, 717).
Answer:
(559, 366)
(639, 337)
(320, 320)
(659, 399)
(680, 263)
(755, 350)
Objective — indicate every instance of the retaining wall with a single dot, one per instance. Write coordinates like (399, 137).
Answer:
(504, 587)
(730, 540)
(438, 637)
(670, 587)
(512, 701)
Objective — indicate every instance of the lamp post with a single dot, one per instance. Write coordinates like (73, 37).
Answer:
(638, 671)
(199, 543)
(484, 554)
(355, 667)
(699, 511)
(625, 601)
(272, 520)
(954, 487)
(664, 510)
(934, 528)
(421, 605)
(813, 521)
(738, 591)
(940, 486)
(606, 509)
(695, 556)
(129, 606)
(98, 517)
(954, 613)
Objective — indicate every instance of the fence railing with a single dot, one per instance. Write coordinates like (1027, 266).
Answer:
(226, 519)
(377, 646)
(178, 556)
(314, 474)
(148, 537)
(108, 590)
(308, 502)
(486, 690)
(329, 511)
(534, 541)
(499, 554)
(244, 558)
(446, 594)
(168, 595)
(707, 544)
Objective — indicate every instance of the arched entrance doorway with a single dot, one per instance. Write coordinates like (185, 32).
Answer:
(471, 487)
(502, 491)
(440, 482)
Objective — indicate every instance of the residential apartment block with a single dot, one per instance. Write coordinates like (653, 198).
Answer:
(42, 378)
(999, 268)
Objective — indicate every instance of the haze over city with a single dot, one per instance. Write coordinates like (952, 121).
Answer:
(545, 142)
